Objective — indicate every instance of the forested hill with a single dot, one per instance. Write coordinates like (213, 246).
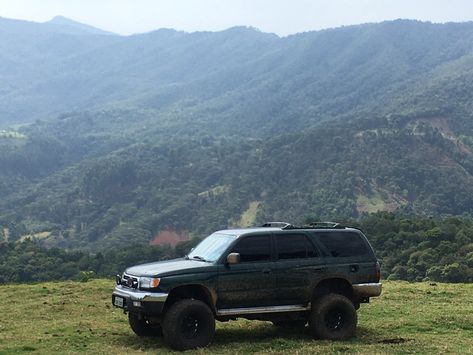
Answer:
(134, 138)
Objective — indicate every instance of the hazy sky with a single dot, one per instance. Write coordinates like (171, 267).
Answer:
(280, 16)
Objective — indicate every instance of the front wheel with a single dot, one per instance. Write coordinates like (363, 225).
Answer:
(333, 317)
(142, 327)
(188, 324)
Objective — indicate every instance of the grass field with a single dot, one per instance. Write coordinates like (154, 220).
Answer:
(73, 317)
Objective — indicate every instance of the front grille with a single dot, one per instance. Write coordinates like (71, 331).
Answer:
(129, 281)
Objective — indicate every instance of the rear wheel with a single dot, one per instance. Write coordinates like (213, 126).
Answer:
(333, 317)
(142, 327)
(188, 324)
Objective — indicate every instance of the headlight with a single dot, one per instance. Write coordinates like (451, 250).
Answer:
(149, 282)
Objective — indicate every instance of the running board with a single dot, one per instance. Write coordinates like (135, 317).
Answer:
(257, 310)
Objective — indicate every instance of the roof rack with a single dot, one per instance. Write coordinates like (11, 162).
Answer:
(314, 225)
(329, 225)
(283, 225)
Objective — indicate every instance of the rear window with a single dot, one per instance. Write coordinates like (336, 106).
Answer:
(343, 244)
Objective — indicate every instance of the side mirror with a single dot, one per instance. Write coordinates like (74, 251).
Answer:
(233, 258)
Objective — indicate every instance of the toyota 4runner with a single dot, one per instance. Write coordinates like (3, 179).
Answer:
(316, 274)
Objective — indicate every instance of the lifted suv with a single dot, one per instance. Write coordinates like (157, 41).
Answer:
(317, 274)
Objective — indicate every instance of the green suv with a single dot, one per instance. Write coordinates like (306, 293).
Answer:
(316, 274)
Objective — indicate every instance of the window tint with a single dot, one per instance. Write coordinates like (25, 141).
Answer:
(294, 246)
(340, 244)
(256, 248)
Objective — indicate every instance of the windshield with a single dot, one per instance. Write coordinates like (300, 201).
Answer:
(212, 247)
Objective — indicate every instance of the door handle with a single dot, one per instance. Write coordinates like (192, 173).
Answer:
(266, 271)
(354, 268)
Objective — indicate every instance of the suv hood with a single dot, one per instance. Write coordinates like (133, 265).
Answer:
(163, 268)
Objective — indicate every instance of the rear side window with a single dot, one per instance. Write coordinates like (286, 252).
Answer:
(343, 244)
(294, 246)
(254, 248)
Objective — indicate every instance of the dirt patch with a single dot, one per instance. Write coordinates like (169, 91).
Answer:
(5, 234)
(441, 124)
(169, 237)
(375, 202)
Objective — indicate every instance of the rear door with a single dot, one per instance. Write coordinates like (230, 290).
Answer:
(299, 267)
(349, 255)
(250, 283)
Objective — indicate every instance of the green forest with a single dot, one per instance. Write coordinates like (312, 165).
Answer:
(107, 141)
(413, 249)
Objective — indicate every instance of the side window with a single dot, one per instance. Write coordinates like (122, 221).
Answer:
(254, 248)
(343, 244)
(294, 246)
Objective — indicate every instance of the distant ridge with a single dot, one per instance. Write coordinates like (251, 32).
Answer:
(58, 24)
(77, 26)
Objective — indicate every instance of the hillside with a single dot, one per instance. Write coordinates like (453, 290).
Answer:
(79, 318)
(239, 80)
(101, 190)
(185, 133)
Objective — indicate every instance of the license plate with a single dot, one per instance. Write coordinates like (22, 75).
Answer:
(118, 301)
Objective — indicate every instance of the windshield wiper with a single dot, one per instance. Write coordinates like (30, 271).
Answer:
(200, 258)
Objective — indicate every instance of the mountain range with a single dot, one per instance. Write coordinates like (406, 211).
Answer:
(106, 138)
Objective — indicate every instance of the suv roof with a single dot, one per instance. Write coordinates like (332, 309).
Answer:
(280, 226)
(241, 231)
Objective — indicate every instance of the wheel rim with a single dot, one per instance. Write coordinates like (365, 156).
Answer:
(190, 327)
(335, 319)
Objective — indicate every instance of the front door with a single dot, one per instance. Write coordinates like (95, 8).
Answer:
(250, 283)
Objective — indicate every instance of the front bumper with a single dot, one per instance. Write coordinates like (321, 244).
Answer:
(367, 290)
(136, 301)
